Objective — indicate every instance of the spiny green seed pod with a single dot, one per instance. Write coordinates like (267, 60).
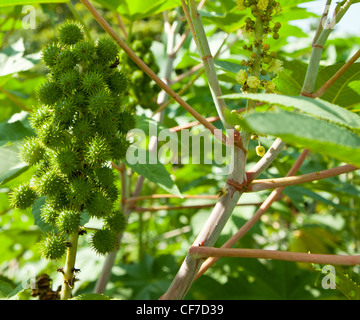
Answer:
(118, 82)
(66, 60)
(84, 51)
(100, 205)
(49, 214)
(64, 112)
(50, 183)
(107, 50)
(50, 54)
(106, 125)
(116, 222)
(126, 121)
(22, 197)
(83, 130)
(59, 201)
(39, 116)
(92, 81)
(70, 33)
(52, 135)
(100, 102)
(69, 81)
(68, 221)
(98, 151)
(66, 161)
(79, 191)
(104, 177)
(119, 146)
(112, 192)
(53, 246)
(103, 241)
(31, 151)
(49, 93)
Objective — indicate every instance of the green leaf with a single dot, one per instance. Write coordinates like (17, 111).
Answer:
(155, 173)
(318, 135)
(11, 134)
(4, 3)
(345, 91)
(36, 212)
(228, 22)
(10, 164)
(315, 107)
(6, 287)
(139, 9)
(292, 78)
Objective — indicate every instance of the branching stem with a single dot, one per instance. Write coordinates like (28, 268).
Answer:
(202, 252)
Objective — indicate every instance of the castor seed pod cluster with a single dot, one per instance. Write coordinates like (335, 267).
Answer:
(81, 124)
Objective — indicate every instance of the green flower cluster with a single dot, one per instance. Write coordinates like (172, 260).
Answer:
(81, 125)
(262, 11)
(143, 91)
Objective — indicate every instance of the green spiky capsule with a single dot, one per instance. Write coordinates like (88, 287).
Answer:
(100, 102)
(107, 50)
(92, 81)
(66, 161)
(52, 135)
(53, 246)
(79, 191)
(119, 146)
(31, 151)
(118, 82)
(98, 151)
(68, 221)
(64, 112)
(100, 205)
(49, 214)
(49, 93)
(104, 177)
(50, 183)
(66, 60)
(84, 51)
(69, 81)
(70, 33)
(126, 121)
(103, 241)
(116, 222)
(22, 197)
(50, 54)
(39, 117)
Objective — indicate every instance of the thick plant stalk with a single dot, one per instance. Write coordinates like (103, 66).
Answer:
(208, 235)
(318, 48)
(69, 270)
(206, 56)
(225, 206)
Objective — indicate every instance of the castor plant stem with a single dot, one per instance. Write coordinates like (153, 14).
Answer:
(224, 207)
(68, 276)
